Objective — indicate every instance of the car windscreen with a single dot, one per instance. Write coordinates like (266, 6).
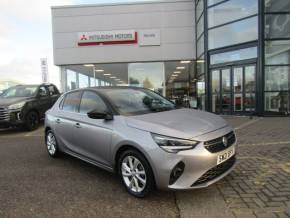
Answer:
(137, 101)
(20, 91)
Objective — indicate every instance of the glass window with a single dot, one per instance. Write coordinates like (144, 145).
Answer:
(237, 55)
(215, 81)
(147, 75)
(277, 5)
(277, 26)
(277, 102)
(83, 81)
(138, 101)
(200, 46)
(199, 8)
(71, 79)
(226, 80)
(90, 102)
(235, 33)
(20, 91)
(238, 79)
(173, 79)
(277, 78)
(71, 102)
(213, 2)
(250, 78)
(52, 90)
(277, 52)
(200, 27)
(43, 91)
(230, 11)
(200, 66)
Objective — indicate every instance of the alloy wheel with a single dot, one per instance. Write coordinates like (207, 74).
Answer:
(133, 174)
(51, 143)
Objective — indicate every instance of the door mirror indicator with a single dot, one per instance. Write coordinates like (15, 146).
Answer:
(105, 115)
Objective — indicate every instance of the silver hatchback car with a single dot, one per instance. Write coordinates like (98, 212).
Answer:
(143, 137)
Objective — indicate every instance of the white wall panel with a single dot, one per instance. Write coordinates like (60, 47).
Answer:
(174, 19)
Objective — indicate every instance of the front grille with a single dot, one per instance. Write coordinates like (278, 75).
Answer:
(4, 114)
(216, 171)
(217, 145)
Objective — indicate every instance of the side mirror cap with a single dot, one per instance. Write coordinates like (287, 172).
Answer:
(104, 115)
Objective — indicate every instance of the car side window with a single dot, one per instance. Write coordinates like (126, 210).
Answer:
(52, 90)
(42, 91)
(71, 102)
(91, 101)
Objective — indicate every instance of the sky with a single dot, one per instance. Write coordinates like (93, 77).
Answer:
(26, 36)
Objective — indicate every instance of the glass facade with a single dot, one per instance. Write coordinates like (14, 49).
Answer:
(277, 57)
(177, 80)
(241, 67)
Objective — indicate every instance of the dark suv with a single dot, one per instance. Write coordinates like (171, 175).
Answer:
(25, 105)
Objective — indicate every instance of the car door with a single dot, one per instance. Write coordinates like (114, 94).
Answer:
(65, 120)
(43, 100)
(93, 136)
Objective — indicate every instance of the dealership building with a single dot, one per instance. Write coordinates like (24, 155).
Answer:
(223, 56)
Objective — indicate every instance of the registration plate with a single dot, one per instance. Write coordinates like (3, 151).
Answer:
(225, 155)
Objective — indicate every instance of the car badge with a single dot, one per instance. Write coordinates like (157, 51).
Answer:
(225, 141)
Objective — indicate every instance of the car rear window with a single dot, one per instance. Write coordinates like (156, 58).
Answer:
(71, 102)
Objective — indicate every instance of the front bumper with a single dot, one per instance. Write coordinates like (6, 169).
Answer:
(10, 117)
(201, 168)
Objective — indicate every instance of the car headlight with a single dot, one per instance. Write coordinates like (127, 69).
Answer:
(16, 106)
(173, 145)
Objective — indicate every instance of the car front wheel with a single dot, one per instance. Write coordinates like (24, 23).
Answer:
(31, 121)
(135, 173)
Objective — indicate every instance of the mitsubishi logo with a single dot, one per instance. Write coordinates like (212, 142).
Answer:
(225, 141)
(84, 38)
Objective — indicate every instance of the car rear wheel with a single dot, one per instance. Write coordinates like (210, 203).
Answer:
(31, 121)
(135, 173)
(51, 144)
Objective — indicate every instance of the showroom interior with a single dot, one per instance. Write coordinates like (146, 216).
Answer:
(222, 56)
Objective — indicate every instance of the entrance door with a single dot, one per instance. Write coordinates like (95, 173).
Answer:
(234, 89)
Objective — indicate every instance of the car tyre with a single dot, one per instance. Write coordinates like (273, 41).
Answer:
(31, 121)
(135, 173)
(51, 144)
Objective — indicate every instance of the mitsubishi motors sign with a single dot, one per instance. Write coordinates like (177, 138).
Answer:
(107, 37)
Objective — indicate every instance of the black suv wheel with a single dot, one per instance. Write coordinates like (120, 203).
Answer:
(31, 121)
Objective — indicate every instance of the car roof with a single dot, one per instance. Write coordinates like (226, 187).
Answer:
(106, 88)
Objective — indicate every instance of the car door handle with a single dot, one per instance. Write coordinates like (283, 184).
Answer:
(77, 125)
(57, 121)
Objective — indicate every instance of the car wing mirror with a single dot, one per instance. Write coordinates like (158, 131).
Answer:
(103, 115)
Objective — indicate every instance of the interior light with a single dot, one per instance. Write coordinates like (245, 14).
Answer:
(174, 75)
(180, 68)
(200, 61)
(185, 62)
(99, 70)
(113, 77)
(107, 74)
(89, 65)
(177, 72)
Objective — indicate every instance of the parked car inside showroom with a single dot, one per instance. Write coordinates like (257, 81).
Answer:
(25, 105)
(143, 137)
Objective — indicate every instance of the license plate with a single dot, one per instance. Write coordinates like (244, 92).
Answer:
(225, 156)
